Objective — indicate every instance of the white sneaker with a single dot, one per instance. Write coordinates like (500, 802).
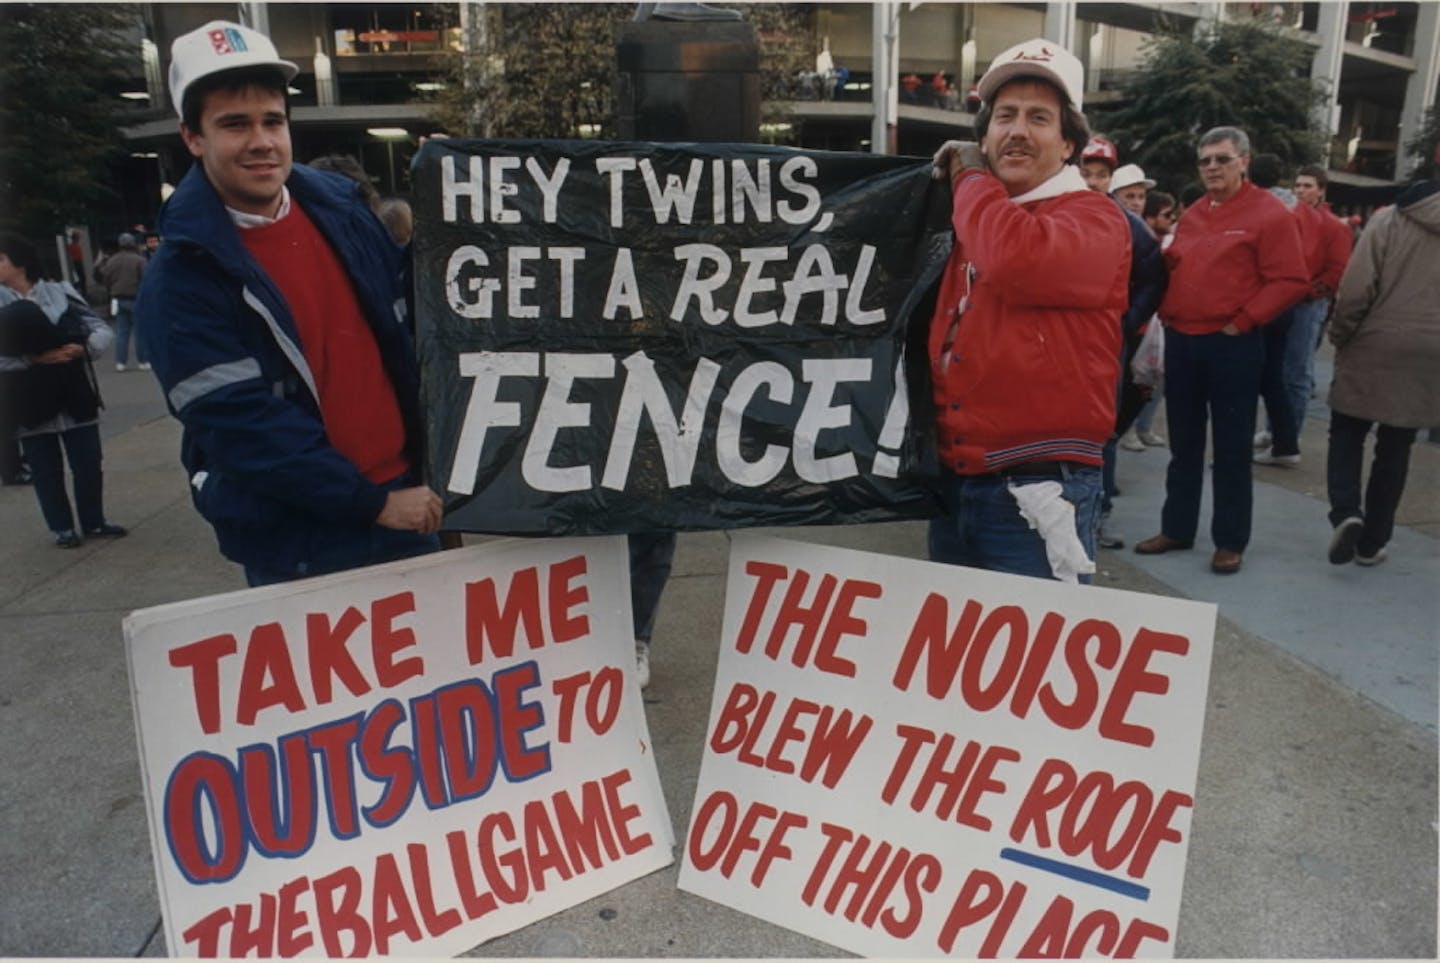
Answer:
(144, 366)
(642, 663)
(1262, 440)
(1152, 439)
(1344, 539)
(1130, 441)
(120, 366)
(1367, 560)
(1270, 458)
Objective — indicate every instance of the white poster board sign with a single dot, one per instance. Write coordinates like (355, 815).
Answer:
(407, 759)
(908, 759)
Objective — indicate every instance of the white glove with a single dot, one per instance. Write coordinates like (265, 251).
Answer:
(1044, 507)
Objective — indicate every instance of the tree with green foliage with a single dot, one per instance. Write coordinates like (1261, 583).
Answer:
(1244, 74)
(542, 70)
(59, 66)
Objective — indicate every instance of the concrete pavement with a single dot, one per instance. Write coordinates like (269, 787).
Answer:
(1315, 818)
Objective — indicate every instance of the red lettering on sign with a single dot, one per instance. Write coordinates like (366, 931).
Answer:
(1092, 808)
(956, 661)
(735, 835)
(203, 660)
(489, 624)
(872, 881)
(964, 782)
(981, 896)
(268, 677)
(326, 648)
(335, 919)
(834, 739)
(387, 640)
(1134, 678)
(817, 621)
(392, 902)
(292, 925)
(390, 912)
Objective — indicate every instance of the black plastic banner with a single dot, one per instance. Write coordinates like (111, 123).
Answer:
(621, 337)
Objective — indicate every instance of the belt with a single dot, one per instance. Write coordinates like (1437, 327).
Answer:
(1032, 469)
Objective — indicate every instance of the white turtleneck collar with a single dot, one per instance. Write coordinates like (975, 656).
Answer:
(1067, 180)
(245, 221)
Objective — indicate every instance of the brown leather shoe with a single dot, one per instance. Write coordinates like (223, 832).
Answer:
(1160, 544)
(1225, 562)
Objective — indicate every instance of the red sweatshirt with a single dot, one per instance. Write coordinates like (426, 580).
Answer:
(1337, 244)
(357, 401)
(1027, 371)
(1240, 261)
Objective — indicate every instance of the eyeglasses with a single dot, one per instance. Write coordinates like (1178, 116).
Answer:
(1214, 160)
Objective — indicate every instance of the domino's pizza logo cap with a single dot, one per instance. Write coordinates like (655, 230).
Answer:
(219, 45)
(1041, 58)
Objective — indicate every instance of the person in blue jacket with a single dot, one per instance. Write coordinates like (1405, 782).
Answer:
(1148, 278)
(274, 320)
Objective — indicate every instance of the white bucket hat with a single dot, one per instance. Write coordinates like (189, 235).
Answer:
(1129, 175)
(219, 45)
(1041, 58)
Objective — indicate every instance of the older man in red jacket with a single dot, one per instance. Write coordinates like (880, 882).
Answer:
(1025, 339)
(1236, 264)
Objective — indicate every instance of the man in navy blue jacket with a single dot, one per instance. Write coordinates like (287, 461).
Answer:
(1148, 278)
(274, 319)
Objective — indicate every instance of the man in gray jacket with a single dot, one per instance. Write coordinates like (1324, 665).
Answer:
(121, 273)
(1386, 332)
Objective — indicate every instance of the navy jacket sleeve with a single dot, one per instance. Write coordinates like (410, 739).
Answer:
(1148, 276)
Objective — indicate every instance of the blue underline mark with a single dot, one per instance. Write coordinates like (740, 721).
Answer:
(1077, 873)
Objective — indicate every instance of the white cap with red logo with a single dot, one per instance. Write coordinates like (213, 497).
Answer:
(220, 45)
(1040, 58)
(1101, 149)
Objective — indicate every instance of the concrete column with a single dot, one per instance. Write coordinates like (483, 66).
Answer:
(885, 71)
(1420, 89)
(475, 40)
(1210, 13)
(1328, 64)
(255, 15)
(1060, 24)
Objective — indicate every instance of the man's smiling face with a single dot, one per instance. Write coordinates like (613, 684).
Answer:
(1025, 144)
(244, 144)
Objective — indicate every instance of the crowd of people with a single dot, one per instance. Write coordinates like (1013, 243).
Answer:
(272, 320)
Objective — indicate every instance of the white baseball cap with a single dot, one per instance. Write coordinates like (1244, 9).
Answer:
(220, 45)
(1041, 58)
(1129, 175)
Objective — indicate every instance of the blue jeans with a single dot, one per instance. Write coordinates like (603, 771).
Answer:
(1283, 417)
(651, 556)
(1146, 418)
(982, 526)
(1298, 367)
(47, 471)
(1388, 472)
(124, 324)
(1210, 378)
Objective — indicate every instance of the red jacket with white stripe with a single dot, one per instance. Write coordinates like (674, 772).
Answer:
(1025, 339)
(1237, 262)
